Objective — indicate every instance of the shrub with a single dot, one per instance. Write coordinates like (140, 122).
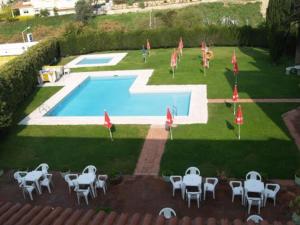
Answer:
(79, 43)
(18, 78)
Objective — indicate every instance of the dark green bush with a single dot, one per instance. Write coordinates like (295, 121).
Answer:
(18, 78)
(91, 40)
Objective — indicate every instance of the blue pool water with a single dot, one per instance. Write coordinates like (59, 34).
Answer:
(88, 61)
(95, 95)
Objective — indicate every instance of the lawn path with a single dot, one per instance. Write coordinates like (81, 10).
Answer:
(256, 100)
(153, 149)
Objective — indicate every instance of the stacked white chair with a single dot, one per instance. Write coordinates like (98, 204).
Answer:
(253, 175)
(168, 213)
(193, 195)
(255, 219)
(237, 189)
(176, 183)
(71, 180)
(27, 189)
(192, 170)
(43, 167)
(271, 191)
(101, 183)
(210, 186)
(46, 182)
(19, 176)
(82, 192)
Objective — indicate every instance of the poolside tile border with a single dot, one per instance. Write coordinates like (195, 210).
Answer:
(116, 58)
(198, 111)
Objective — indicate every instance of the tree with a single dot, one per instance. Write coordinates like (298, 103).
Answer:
(44, 12)
(278, 12)
(83, 10)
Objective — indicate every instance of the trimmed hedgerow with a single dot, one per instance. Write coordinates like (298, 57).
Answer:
(18, 77)
(91, 40)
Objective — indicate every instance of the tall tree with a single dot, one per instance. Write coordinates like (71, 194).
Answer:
(83, 10)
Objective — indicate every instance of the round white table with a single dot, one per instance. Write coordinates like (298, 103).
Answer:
(254, 186)
(87, 179)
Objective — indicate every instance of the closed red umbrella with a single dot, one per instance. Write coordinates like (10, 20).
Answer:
(148, 46)
(108, 124)
(239, 119)
(169, 121)
(173, 63)
(233, 58)
(235, 97)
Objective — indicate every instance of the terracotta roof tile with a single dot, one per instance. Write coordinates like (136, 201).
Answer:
(52, 216)
(17, 214)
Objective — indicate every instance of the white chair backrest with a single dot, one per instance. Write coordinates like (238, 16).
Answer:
(19, 176)
(211, 180)
(174, 179)
(168, 213)
(273, 187)
(43, 167)
(253, 175)
(235, 184)
(255, 218)
(192, 170)
(90, 169)
(69, 180)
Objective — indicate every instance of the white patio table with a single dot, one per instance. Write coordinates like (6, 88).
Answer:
(34, 177)
(255, 186)
(191, 180)
(87, 179)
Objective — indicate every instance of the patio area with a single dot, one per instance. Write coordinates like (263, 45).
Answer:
(147, 194)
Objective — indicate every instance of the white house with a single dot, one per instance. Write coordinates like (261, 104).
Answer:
(3, 2)
(33, 7)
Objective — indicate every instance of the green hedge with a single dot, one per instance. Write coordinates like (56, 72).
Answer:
(91, 40)
(18, 78)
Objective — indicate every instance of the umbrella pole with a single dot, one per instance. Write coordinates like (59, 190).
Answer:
(236, 79)
(173, 69)
(204, 71)
(233, 108)
(110, 134)
(171, 132)
(239, 131)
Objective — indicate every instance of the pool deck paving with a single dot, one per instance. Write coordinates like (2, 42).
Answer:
(152, 151)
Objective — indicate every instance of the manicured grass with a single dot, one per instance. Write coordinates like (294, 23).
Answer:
(265, 144)
(70, 146)
(258, 77)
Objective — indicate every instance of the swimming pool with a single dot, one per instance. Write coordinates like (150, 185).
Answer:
(88, 61)
(96, 94)
(95, 60)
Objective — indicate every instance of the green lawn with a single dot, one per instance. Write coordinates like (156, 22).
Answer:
(70, 146)
(265, 144)
(258, 77)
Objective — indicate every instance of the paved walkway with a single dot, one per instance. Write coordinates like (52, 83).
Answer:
(292, 121)
(153, 149)
(256, 100)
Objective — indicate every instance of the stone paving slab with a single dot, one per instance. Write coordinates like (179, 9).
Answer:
(152, 151)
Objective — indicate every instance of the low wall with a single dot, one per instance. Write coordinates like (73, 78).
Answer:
(15, 48)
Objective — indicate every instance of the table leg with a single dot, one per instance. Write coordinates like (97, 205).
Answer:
(92, 189)
(38, 187)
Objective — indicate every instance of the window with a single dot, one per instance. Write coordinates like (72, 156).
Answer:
(25, 11)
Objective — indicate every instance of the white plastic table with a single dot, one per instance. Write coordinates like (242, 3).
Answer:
(34, 177)
(255, 186)
(191, 180)
(87, 179)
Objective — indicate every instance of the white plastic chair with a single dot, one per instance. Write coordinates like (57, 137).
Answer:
(196, 195)
(192, 170)
(271, 191)
(253, 175)
(19, 176)
(90, 169)
(101, 183)
(43, 167)
(168, 213)
(255, 218)
(82, 192)
(176, 183)
(210, 186)
(71, 179)
(27, 189)
(237, 189)
(252, 201)
(46, 181)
